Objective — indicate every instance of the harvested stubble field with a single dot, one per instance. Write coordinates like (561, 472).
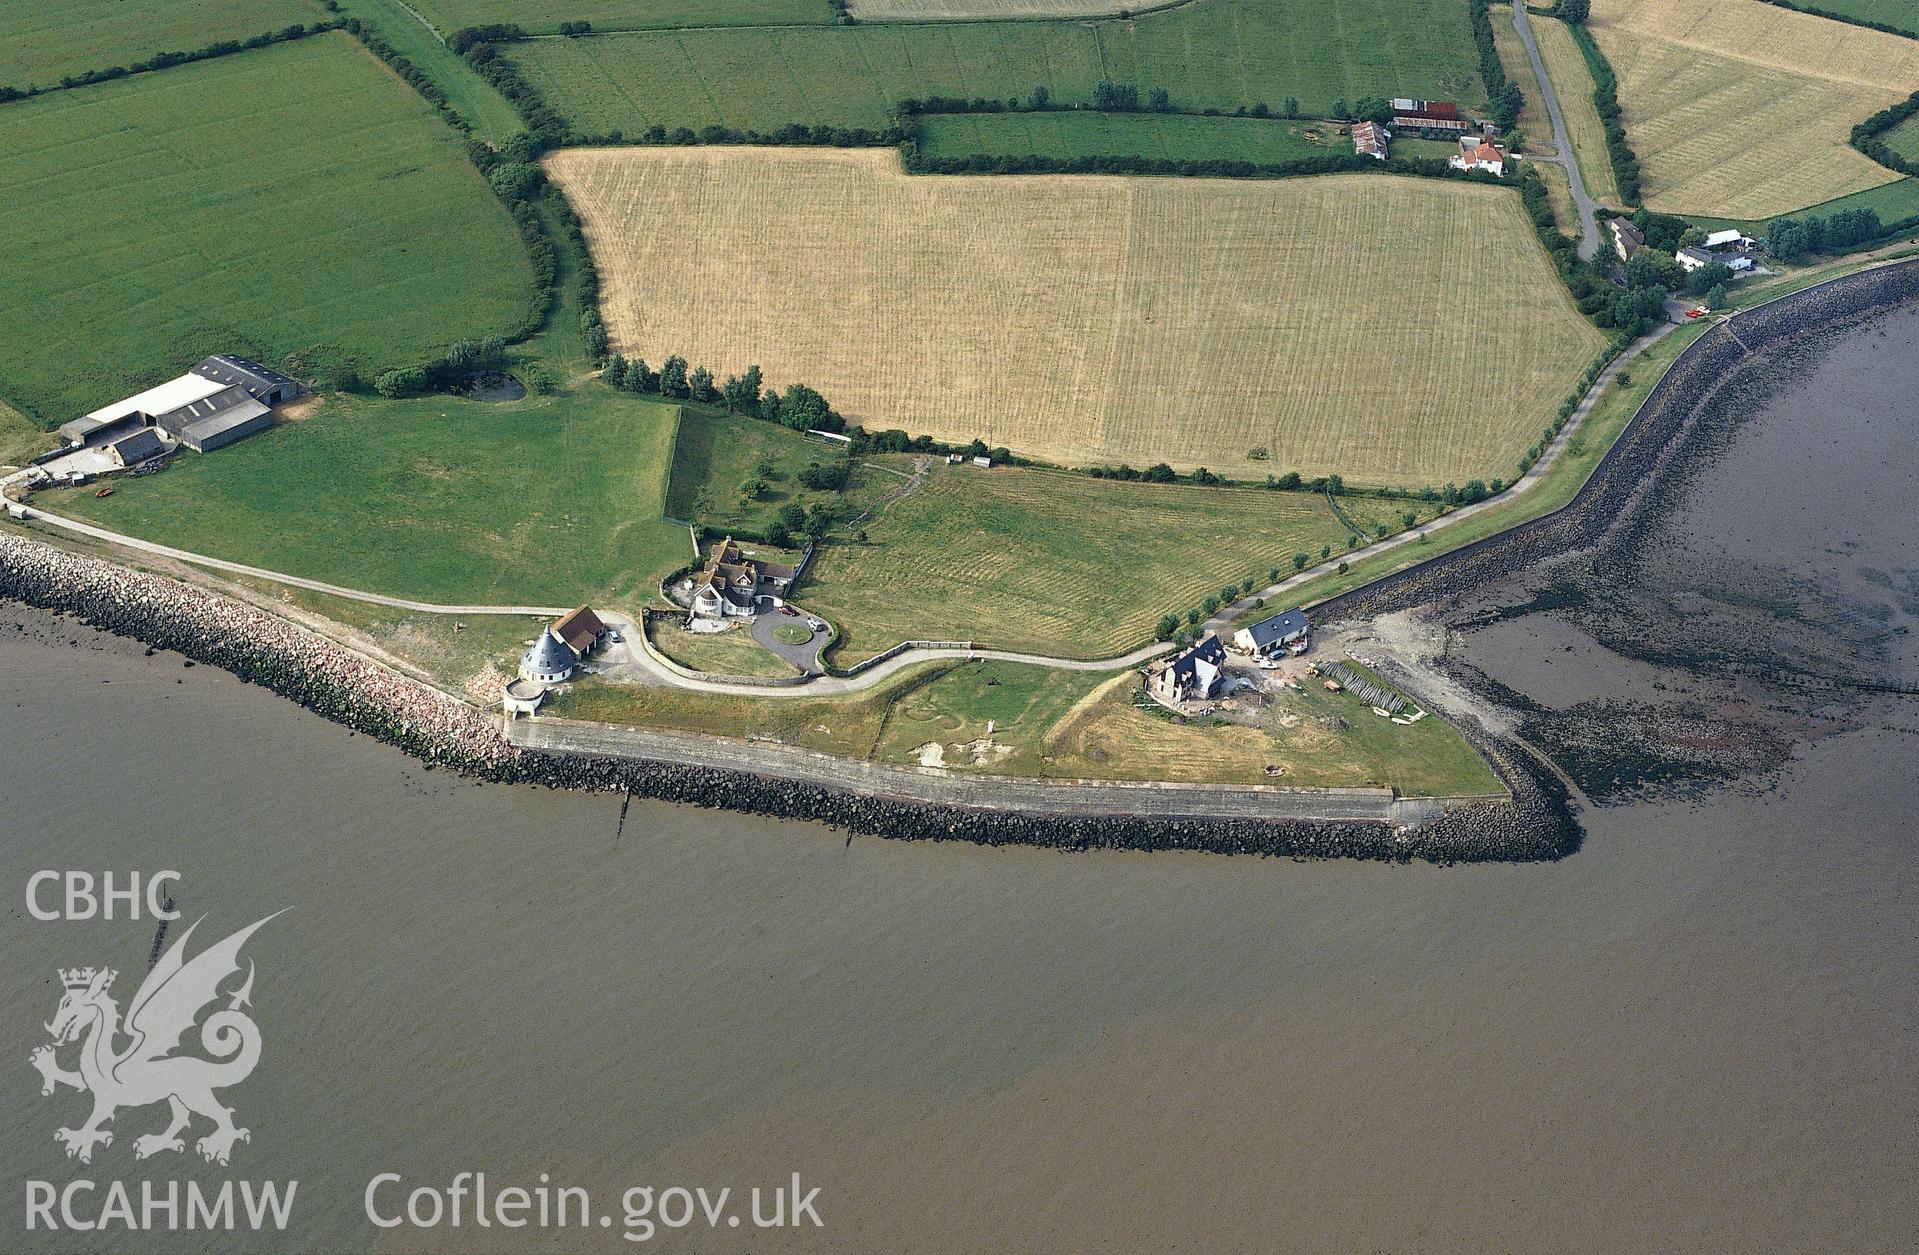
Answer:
(1741, 109)
(298, 198)
(1215, 54)
(1168, 137)
(1391, 330)
(1057, 563)
(43, 40)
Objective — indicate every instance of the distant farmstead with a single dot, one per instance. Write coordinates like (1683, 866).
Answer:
(221, 400)
(1478, 154)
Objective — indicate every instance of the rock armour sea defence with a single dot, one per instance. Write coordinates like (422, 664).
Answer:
(358, 693)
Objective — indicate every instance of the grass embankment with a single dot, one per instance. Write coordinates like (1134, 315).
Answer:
(21, 439)
(297, 199)
(732, 652)
(1573, 83)
(1533, 118)
(1391, 330)
(42, 40)
(1742, 109)
(1054, 563)
(1219, 54)
(547, 501)
(1166, 137)
(540, 16)
(1560, 483)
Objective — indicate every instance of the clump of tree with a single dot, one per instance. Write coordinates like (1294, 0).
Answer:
(1790, 239)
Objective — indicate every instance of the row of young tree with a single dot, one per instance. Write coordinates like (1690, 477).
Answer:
(166, 60)
(1625, 162)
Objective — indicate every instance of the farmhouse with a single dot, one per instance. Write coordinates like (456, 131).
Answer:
(221, 400)
(1691, 259)
(556, 653)
(734, 586)
(1287, 630)
(1731, 237)
(1370, 140)
(1627, 239)
(1429, 115)
(1478, 154)
(1193, 675)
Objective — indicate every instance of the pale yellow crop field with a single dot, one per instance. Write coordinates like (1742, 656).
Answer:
(1573, 81)
(934, 10)
(1741, 109)
(1392, 330)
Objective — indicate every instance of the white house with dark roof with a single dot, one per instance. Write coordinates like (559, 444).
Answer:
(1286, 631)
(1194, 675)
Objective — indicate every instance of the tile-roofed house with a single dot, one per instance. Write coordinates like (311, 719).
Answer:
(1691, 258)
(1478, 154)
(734, 586)
(1192, 675)
(581, 630)
(1369, 140)
(1280, 631)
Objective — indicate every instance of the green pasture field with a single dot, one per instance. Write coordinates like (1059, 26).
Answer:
(547, 501)
(42, 40)
(21, 438)
(1057, 563)
(1216, 54)
(716, 453)
(1900, 14)
(298, 199)
(537, 16)
(1160, 136)
(1904, 139)
(491, 115)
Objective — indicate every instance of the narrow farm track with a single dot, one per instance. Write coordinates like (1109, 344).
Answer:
(1562, 138)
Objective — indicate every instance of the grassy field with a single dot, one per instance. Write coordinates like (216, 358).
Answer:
(491, 115)
(1574, 83)
(1904, 139)
(1219, 53)
(1741, 109)
(1059, 563)
(297, 199)
(607, 15)
(548, 501)
(1171, 136)
(1391, 330)
(1533, 118)
(733, 652)
(21, 438)
(937, 10)
(1062, 725)
(716, 454)
(1903, 14)
(41, 40)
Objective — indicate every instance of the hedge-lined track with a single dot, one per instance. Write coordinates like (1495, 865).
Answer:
(1741, 109)
(1392, 330)
(289, 199)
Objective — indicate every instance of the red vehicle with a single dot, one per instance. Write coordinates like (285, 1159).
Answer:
(789, 610)
(105, 492)
(1696, 312)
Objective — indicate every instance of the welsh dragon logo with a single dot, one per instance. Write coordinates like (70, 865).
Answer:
(147, 1071)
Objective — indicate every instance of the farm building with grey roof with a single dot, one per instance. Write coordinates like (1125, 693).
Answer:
(222, 399)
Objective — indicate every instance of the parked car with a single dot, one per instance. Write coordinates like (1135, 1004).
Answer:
(789, 610)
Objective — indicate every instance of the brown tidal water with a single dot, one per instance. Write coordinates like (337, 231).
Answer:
(1697, 1033)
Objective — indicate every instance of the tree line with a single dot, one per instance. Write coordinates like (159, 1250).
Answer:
(166, 60)
(1625, 162)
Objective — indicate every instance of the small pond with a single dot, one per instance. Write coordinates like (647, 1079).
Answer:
(489, 385)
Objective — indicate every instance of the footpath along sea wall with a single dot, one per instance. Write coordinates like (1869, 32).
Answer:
(1648, 443)
(361, 694)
